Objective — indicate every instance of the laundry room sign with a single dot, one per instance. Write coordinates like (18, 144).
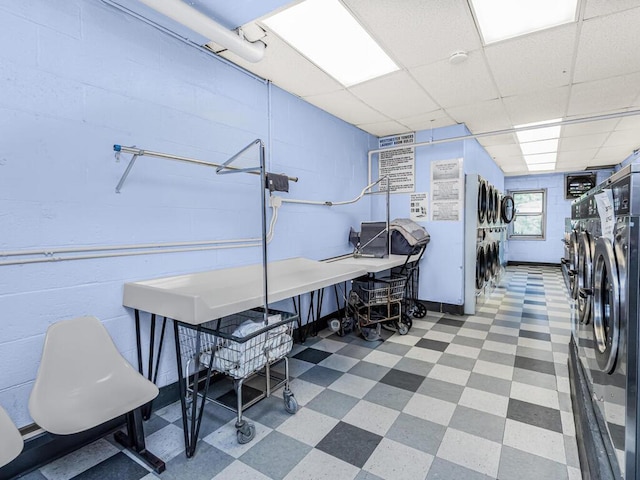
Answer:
(604, 201)
(399, 164)
(447, 192)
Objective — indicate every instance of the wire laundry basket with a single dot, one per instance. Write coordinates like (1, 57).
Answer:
(240, 346)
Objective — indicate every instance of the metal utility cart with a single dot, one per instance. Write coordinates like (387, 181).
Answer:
(239, 346)
(375, 300)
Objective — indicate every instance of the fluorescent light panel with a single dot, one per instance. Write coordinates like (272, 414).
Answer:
(541, 167)
(539, 145)
(502, 19)
(328, 35)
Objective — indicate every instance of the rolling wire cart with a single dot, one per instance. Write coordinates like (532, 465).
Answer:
(373, 301)
(238, 346)
(412, 306)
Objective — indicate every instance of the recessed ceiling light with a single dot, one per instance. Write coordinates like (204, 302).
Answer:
(502, 19)
(540, 167)
(541, 146)
(328, 35)
(541, 158)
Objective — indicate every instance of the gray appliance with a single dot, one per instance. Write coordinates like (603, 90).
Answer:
(607, 319)
(487, 213)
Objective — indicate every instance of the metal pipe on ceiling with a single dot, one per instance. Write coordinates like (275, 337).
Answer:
(472, 136)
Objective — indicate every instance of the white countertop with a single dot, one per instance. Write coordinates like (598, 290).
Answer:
(200, 297)
(373, 265)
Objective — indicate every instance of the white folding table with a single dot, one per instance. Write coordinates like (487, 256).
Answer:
(197, 298)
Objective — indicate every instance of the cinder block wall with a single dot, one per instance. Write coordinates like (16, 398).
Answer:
(77, 76)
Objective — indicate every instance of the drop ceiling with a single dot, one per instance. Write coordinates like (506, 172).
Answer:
(584, 69)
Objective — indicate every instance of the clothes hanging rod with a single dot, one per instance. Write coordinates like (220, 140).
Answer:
(138, 152)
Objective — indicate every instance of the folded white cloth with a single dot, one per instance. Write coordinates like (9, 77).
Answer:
(241, 359)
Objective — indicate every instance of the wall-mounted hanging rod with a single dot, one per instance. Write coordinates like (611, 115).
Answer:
(138, 152)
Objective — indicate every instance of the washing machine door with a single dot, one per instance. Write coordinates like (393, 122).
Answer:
(573, 264)
(606, 305)
(496, 206)
(482, 201)
(507, 209)
(488, 259)
(496, 258)
(491, 206)
(583, 278)
(480, 267)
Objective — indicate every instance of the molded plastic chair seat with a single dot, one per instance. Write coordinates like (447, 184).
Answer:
(83, 381)
(10, 439)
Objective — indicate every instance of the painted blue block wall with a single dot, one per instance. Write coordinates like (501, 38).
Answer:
(77, 77)
(551, 249)
(442, 267)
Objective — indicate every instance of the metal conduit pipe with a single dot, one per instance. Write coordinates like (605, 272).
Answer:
(571, 121)
(332, 204)
(122, 254)
(143, 248)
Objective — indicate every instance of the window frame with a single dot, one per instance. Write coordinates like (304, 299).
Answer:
(543, 213)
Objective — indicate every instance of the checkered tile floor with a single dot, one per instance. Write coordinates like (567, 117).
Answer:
(478, 397)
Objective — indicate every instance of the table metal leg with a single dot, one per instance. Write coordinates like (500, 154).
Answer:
(153, 357)
(192, 402)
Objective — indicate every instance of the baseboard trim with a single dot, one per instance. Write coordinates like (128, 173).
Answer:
(532, 264)
(46, 447)
(443, 307)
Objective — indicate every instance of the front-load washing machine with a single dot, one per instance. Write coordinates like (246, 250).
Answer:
(608, 251)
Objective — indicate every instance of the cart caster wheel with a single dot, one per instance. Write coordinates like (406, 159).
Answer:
(419, 311)
(246, 433)
(407, 321)
(403, 328)
(290, 403)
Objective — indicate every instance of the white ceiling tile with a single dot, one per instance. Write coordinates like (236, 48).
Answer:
(629, 123)
(624, 138)
(570, 144)
(482, 117)
(603, 96)
(533, 62)
(396, 95)
(613, 154)
(426, 121)
(595, 8)
(583, 155)
(289, 70)
(504, 139)
(608, 46)
(383, 129)
(588, 128)
(344, 105)
(454, 85)
(537, 106)
(418, 32)
(497, 151)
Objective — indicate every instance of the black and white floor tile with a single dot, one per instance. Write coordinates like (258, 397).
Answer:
(459, 397)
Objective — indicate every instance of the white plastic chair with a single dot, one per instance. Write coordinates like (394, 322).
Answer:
(10, 439)
(83, 382)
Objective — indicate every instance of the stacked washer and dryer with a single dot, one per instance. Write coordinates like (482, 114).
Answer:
(489, 212)
(604, 241)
